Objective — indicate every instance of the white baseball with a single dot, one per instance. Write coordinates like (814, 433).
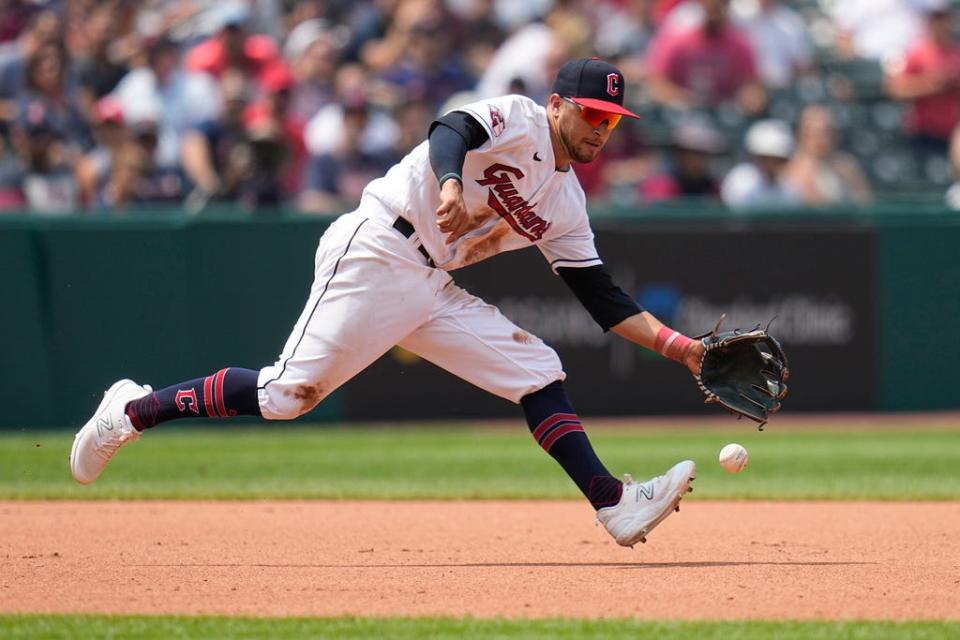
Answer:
(733, 457)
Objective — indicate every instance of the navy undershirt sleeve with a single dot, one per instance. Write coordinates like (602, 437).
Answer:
(606, 303)
(451, 136)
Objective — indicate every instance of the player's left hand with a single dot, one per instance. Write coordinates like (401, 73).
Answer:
(452, 216)
(744, 371)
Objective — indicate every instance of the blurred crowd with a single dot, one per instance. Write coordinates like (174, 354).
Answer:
(111, 105)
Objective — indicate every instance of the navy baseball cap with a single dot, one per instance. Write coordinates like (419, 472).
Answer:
(594, 83)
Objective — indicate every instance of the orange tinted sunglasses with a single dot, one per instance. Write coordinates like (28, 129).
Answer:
(596, 117)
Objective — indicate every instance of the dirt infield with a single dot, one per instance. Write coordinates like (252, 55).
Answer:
(717, 560)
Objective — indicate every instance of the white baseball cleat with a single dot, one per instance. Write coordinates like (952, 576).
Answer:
(643, 506)
(105, 432)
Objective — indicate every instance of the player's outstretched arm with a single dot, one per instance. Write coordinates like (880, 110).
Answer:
(744, 371)
(615, 311)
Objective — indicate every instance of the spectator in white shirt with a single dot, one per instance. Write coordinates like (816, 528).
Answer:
(758, 182)
(877, 29)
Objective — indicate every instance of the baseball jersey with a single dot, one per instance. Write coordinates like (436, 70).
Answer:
(510, 187)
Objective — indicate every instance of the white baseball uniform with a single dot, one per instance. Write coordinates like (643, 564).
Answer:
(374, 288)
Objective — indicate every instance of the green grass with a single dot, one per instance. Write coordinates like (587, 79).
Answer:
(472, 462)
(83, 627)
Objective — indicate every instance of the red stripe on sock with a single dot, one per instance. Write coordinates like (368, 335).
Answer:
(559, 424)
(218, 385)
(134, 418)
(208, 396)
(604, 491)
(559, 433)
(547, 424)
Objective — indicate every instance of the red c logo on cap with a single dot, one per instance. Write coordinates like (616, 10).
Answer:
(613, 84)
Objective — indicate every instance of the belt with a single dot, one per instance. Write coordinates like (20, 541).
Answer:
(403, 226)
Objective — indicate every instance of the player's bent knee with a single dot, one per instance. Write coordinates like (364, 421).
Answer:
(284, 402)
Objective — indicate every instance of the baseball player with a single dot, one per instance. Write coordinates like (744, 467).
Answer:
(493, 176)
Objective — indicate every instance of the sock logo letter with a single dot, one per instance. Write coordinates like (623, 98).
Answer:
(187, 399)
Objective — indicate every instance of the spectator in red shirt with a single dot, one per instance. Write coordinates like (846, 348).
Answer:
(929, 78)
(277, 153)
(706, 65)
(232, 47)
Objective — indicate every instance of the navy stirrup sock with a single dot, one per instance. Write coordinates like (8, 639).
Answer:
(228, 392)
(557, 429)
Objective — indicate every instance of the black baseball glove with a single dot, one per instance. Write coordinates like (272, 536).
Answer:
(745, 371)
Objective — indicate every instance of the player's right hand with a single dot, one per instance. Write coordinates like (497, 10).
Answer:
(693, 357)
(452, 216)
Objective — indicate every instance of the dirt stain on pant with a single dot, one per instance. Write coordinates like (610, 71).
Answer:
(309, 396)
(523, 337)
(476, 249)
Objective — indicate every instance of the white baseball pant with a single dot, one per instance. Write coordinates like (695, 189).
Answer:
(372, 290)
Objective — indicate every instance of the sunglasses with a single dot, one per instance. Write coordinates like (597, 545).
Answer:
(595, 117)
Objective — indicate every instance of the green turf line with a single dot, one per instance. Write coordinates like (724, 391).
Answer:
(471, 462)
(167, 628)
(146, 627)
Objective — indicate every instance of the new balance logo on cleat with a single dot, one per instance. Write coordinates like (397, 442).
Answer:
(645, 490)
(103, 424)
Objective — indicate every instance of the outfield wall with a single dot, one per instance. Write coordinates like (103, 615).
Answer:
(864, 304)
